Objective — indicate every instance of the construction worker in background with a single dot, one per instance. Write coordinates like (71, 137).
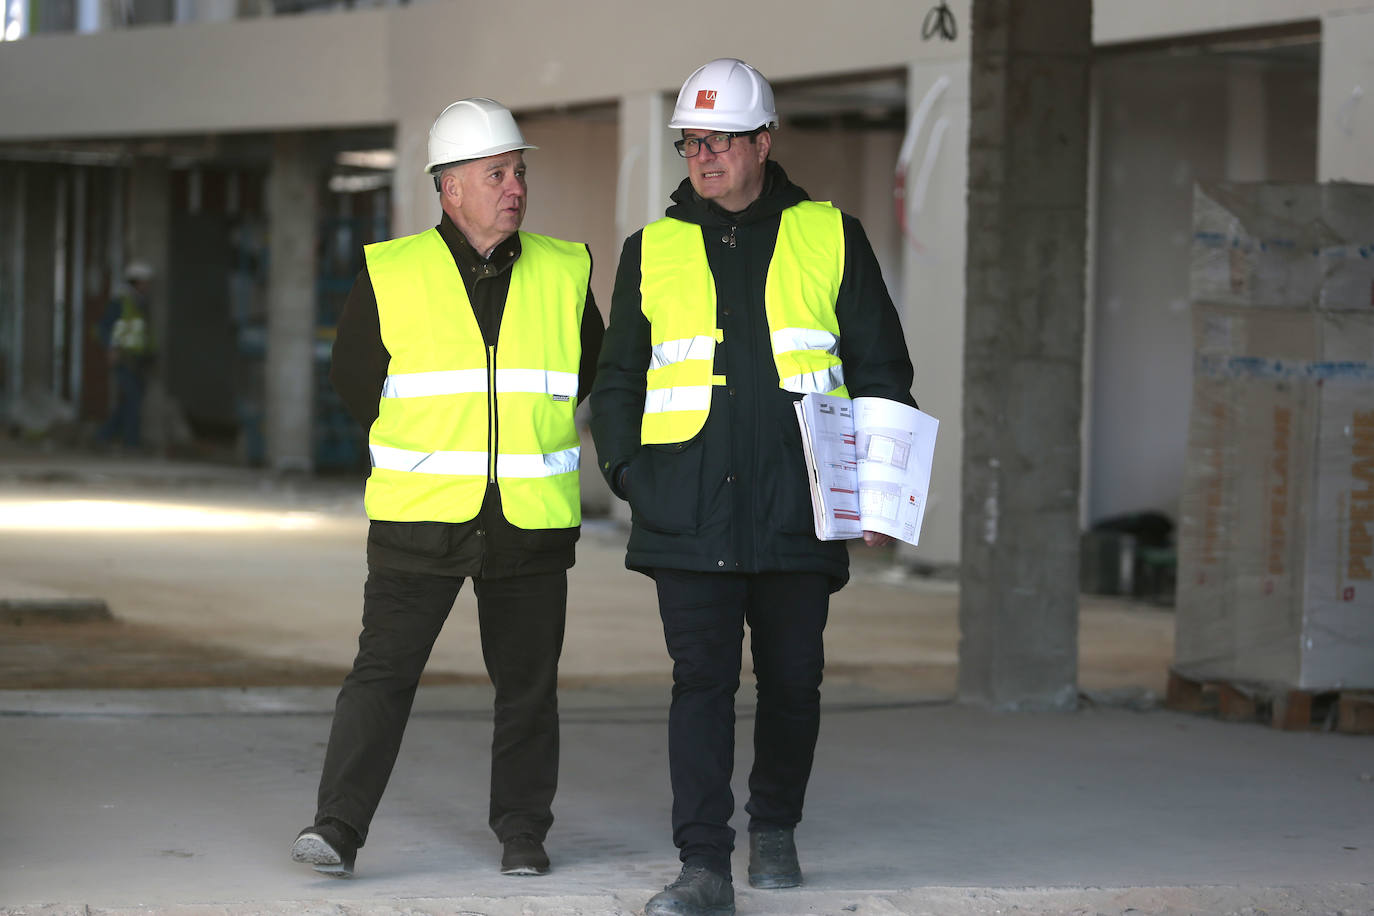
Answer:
(464, 351)
(744, 297)
(127, 333)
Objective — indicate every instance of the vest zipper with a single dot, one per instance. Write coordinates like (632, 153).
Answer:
(491, 414)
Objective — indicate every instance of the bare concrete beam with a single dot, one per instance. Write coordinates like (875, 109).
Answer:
(1023, 352)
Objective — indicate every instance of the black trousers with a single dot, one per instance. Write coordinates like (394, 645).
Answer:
(703, 624)
(521, 620)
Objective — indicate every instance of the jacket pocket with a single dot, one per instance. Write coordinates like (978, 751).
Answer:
(426, 539)
(785, 492)
(663, 485)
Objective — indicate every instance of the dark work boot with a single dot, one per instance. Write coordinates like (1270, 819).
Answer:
(698, 891)
(331, 846)
(773, 858)
(524, 855)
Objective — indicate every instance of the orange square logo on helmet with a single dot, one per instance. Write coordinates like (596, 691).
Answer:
(706, 98)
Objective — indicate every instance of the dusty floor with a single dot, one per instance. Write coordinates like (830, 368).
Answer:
(241, 585)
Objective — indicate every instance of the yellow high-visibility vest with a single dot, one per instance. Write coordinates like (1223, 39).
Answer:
(678, 296)
(130, 332)
(456, 414)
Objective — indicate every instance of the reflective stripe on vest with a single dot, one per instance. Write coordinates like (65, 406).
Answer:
(678, 296)
(431, 446)
(130, 331)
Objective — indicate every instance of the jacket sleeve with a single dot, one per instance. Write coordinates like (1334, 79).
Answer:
(593, 330)
(359, 361)
(872, 345)
(618, 394)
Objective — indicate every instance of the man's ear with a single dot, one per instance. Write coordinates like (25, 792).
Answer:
(451, 187)
(765, 142)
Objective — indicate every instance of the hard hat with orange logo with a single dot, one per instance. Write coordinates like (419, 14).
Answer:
(726, 95)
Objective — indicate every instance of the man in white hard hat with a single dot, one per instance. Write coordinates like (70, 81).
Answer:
(744, 297)
(464, 351)
(127, 333)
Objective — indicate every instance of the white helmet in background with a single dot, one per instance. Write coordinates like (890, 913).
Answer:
(725, 95)
(138, 272)
(473, 129)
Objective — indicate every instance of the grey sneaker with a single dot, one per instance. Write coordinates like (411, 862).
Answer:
(773, 859)
(329, 846)
(524, 855)
(698, 891)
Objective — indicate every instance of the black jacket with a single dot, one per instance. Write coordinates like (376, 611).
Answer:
(488, 546)
(735, 497)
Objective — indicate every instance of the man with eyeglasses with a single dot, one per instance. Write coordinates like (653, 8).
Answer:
(744, 297)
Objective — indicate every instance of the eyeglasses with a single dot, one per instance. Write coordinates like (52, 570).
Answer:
(688, 147)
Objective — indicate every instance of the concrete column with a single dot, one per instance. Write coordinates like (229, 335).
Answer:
(649, 166)
(293, 211)
(12, 245)
(414, 202)
(1345, 129)
(1023, 353)
(35, 338)
(932, 291)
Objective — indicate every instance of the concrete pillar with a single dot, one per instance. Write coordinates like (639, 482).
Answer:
(650, 169)
(1023, 353)
(932, 292)
(35, 337)
(293, 214)
(1345, 129)
(12, 245)
(414, 202)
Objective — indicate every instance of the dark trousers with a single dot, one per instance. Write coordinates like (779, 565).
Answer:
(521, 620)
(126, 416)
(703, 624)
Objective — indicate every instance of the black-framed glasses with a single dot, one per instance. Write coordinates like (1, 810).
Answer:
(688, 147)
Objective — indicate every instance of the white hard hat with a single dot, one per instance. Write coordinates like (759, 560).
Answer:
(726, 94)
(138, 272)
(472, 129)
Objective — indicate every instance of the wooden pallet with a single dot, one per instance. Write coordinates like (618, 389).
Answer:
(1349, 711)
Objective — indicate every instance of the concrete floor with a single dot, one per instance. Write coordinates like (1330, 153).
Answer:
(186, 801)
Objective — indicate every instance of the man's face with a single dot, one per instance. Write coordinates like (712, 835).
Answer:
(734, 178)
(485, 198)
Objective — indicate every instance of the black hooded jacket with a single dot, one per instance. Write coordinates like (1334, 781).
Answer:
(735, 497)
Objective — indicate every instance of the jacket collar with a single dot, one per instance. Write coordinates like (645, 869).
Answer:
(466, 257)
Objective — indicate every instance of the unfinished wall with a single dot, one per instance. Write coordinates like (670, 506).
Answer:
(1346, 142)
(1165, 122)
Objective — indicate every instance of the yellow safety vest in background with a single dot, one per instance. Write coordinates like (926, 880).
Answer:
(130, 332)
(456, 414)
(678, 296)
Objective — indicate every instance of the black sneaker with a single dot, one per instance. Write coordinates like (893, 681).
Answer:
(698, 891)
(524, 855)
(330, 846)
(773, 859)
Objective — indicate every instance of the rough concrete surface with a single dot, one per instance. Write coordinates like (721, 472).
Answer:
(181, 800)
